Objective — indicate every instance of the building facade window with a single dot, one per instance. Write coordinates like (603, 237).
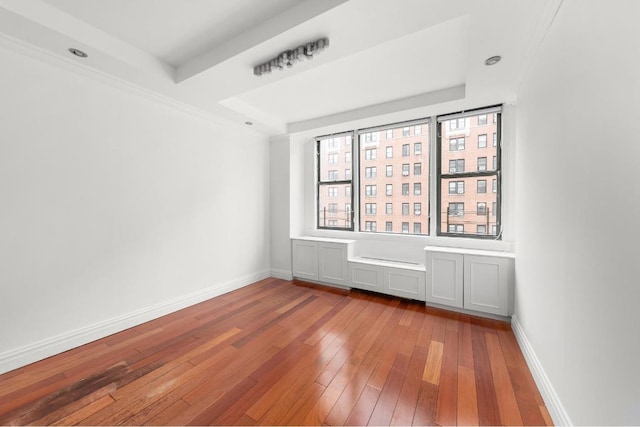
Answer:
(389, 152)
(405, 189)
(481, 208)
(405, 209)
(417, 208)
(389, 133)
(456, 166)
(482, 119)
(417, 228)
(482, 163)
(456, 144)
(333, 175)
(405, 227)
(417, 130)
(388, 226)
(389, 170)
(370, 154)
(405, 169)
(417, 188)
(456, 209)
(370, 209)
(389, 208)
(389, 190)
(370, 172)
(482, 186)
(406, 131)
(417, 169)
(456, 187)
(482, 141)
(417, 148)
(371, 190)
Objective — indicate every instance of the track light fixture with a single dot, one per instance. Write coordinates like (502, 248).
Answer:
(290, 57)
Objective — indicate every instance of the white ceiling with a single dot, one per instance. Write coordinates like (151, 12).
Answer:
(385, 55)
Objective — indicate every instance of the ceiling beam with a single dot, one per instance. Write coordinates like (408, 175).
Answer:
(270, 28)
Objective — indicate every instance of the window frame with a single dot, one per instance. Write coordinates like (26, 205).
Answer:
(348, 183)
(496, 111)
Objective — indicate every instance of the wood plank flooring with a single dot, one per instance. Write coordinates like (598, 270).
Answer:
(286, 353)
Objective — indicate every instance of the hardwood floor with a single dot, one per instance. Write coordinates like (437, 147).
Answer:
(286, 353)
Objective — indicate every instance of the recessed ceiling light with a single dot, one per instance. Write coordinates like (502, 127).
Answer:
(493, 60)
(78, 52)
(248, 123)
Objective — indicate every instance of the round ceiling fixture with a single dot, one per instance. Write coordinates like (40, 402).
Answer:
(77, 52)
(248, 123)
(493, 60)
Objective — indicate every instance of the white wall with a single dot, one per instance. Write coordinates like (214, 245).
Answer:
(577, 289)
(112, 204)
(280, 207)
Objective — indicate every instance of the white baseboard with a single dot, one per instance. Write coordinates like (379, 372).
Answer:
(551, 399)
(23, 356)
(281, 274)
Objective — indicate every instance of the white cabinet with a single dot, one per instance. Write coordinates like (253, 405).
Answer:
(444, 278)
(471, 279)
(402, 280)
(305, 259)
(486, 284)
(321, 260)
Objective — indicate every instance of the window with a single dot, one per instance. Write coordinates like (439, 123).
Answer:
(334, 182)
(417, 228)
(481, 208)
(456, 209)
(371, 172)
(482, 141)
(469, 168)
(417, 208)
(370, 226)
(456, 124)
(370, 154)
(456, 166)
(401, 151)
(482, 163)
(456, 228)
(456, 187)
(482, 229)
(370, 209)
(456, 144)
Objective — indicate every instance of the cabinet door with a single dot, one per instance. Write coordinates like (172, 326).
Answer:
(305, 259)
(486, 284)
(404, 283)
(333, 263)
(365, 276)
(444, 278)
